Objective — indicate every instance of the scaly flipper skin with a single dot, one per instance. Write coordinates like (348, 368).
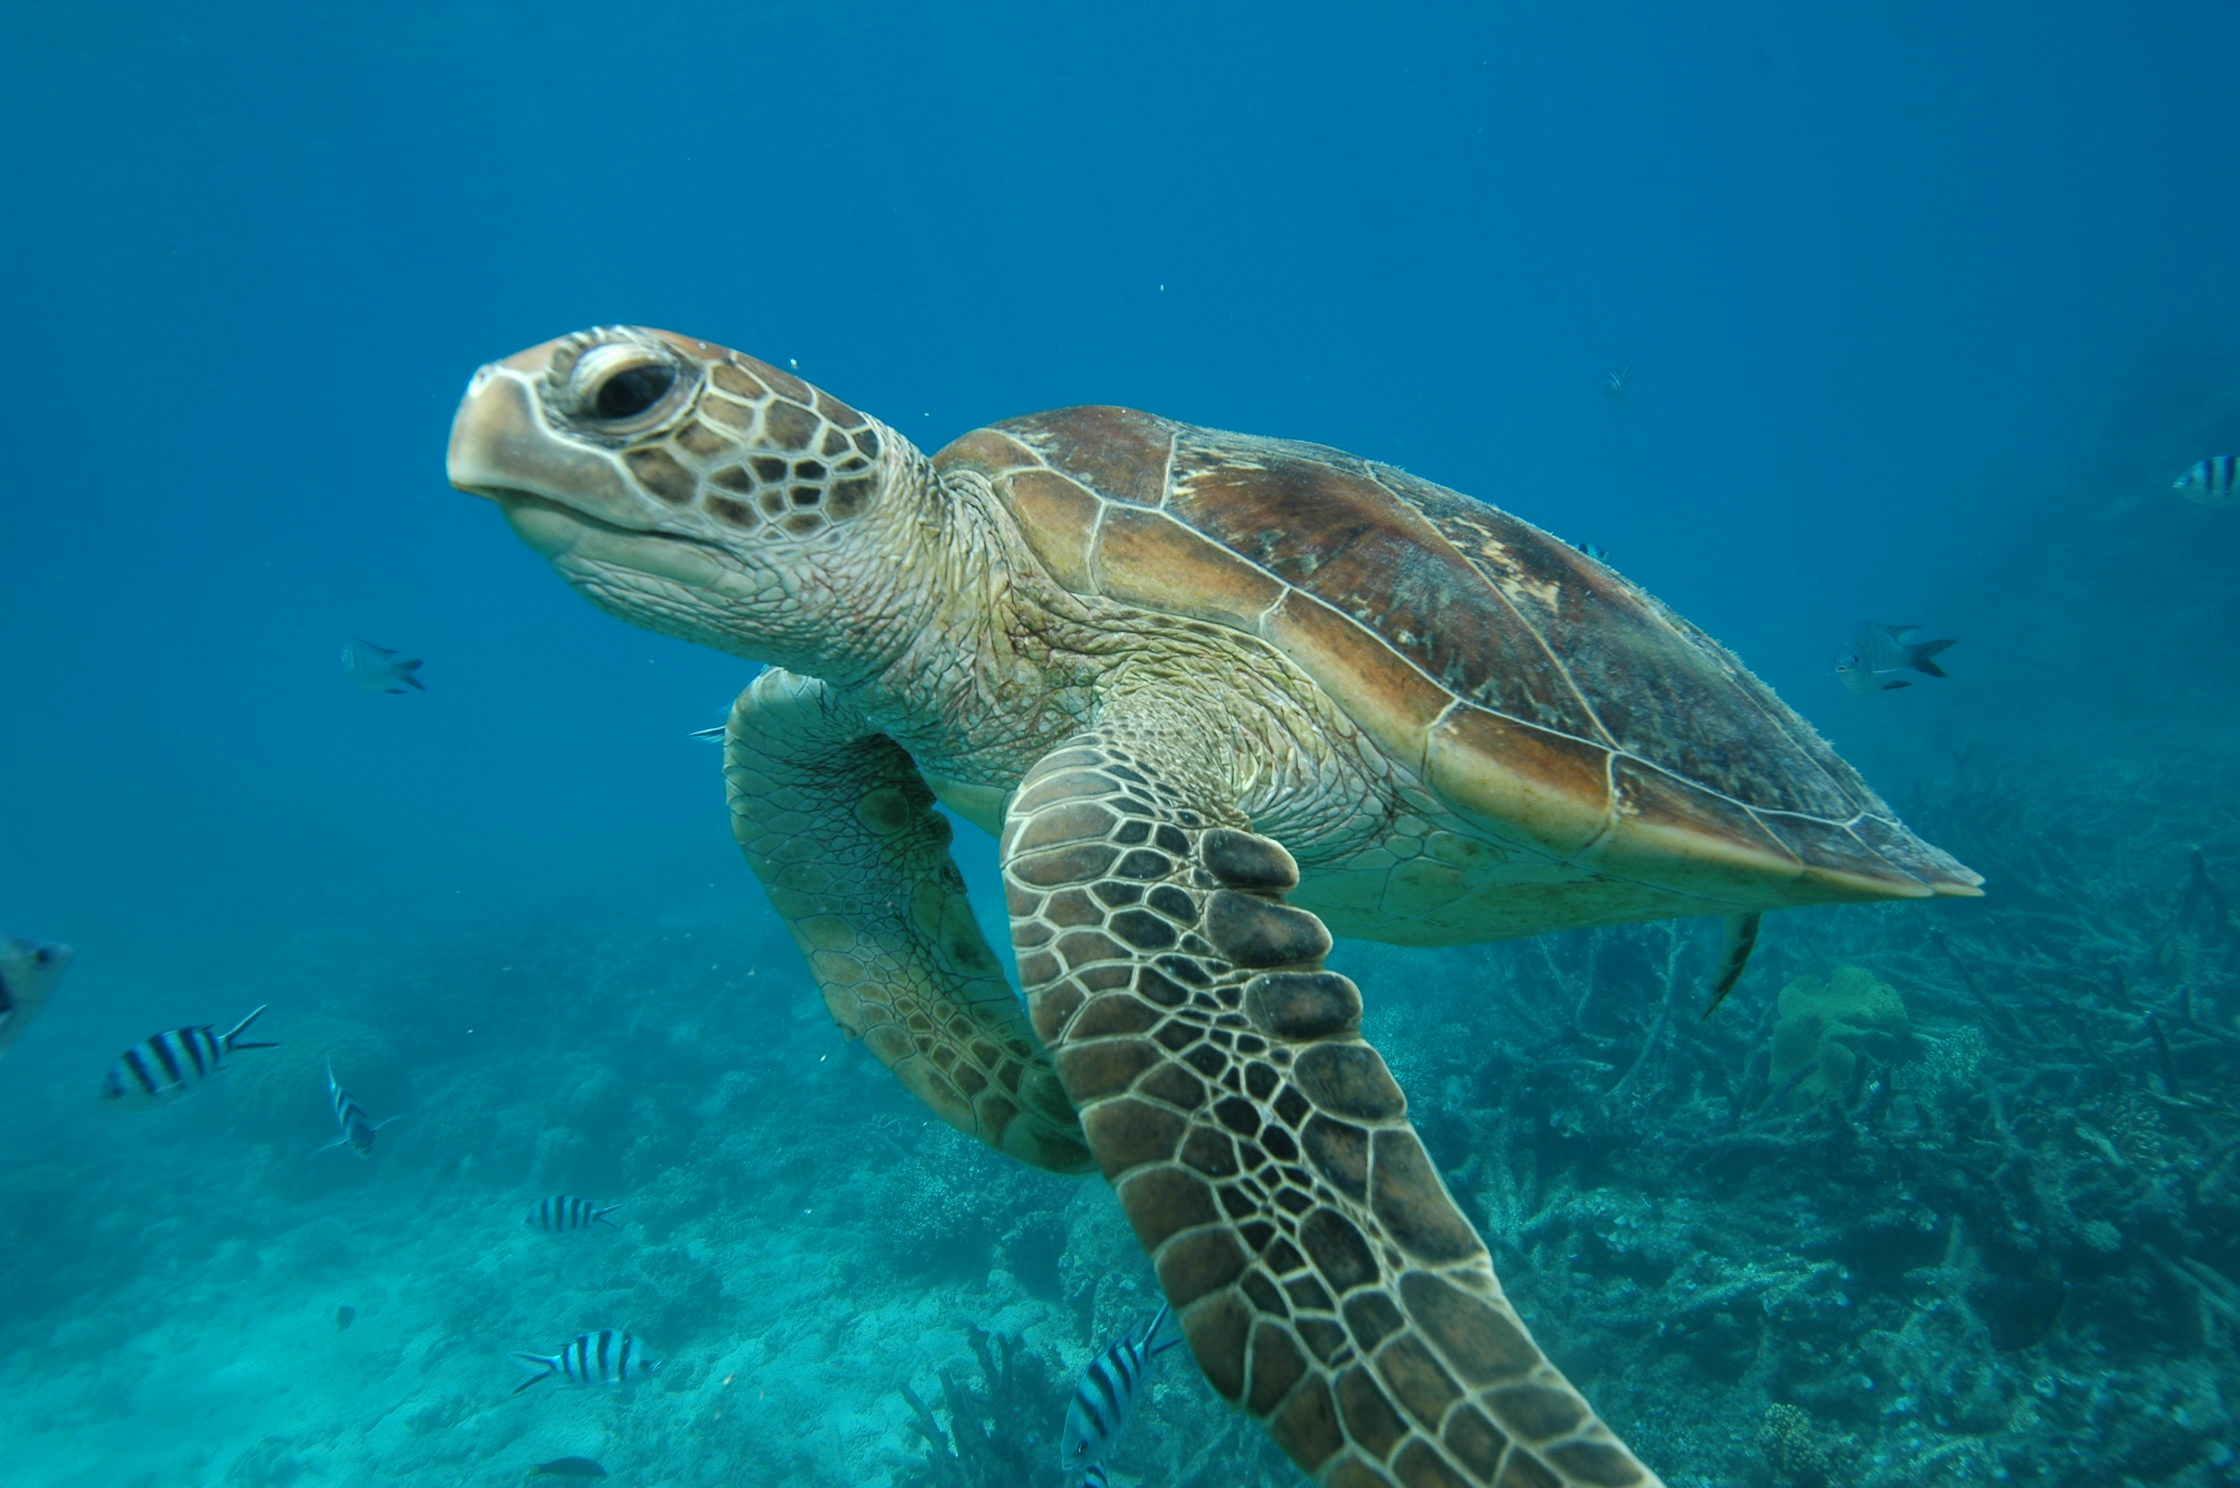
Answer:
(839, 826)
(1323, 1275)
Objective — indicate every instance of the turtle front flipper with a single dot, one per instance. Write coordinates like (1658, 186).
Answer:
(1323, 1275)
(840, 827)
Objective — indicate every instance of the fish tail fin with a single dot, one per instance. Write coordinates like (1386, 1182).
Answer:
(230, 1039)
(1734, 956)
(1919, 652)
(544, 1365)
(408, 672)
(599, 1216)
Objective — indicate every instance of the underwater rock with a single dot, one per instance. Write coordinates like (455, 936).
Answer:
(1823, 1028)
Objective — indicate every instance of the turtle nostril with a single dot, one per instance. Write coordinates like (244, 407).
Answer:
(632, 391)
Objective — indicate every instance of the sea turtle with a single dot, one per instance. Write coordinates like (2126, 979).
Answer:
(1218, 696)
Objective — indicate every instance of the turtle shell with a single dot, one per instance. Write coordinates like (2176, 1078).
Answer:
(1536, 691)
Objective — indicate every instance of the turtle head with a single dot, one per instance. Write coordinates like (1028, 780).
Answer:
(690, 489)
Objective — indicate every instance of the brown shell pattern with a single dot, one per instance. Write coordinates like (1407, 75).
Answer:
(1525, 681)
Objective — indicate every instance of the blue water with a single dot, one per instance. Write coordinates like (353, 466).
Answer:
(1928, 306)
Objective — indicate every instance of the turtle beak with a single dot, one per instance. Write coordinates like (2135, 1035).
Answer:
(502, 447)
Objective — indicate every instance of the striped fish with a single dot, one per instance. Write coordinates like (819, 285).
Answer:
(159, 1070)
(1105, 1396)
(2212, 482)
(1614, 384)
(357, 1131)
(379, 669)
(607, 1357)
(28, 971)
(565, 1212)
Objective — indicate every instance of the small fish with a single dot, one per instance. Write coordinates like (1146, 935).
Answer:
(1614, 384)
(568, 1467)
(28, 971)
(377, 669)
(1596, 551)
(1105, 1396)
(344, 1316)
(564, 1212)
(1878, 653)
(2212, 482)
(357, 1131)
(607, 1357)
(159, 1070)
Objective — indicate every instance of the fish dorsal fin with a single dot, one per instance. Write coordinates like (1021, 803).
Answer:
(1153, 1343)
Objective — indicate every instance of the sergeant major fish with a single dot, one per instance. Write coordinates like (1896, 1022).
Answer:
(28, 971)
(2211, 482)
(379, 669)
(607, 1357)
(357, 1130)
(566, 1212)
(159, 1070)
(1105, 1396)
(1879, 653)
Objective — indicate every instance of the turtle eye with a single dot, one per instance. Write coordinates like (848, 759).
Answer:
(619, 382)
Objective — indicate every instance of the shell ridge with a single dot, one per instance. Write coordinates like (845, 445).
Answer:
(1609, 740)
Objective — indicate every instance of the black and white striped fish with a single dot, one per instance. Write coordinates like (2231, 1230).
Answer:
(159, 1070)
(566, 1212)
(607, 1357)
(379, 669)
(2212, 482)
(1105, 1396)
(357, 1130)
(28, 971)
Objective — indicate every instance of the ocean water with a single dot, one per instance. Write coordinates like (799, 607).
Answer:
(1927, 307)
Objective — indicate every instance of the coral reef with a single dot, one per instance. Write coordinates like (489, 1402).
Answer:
(1824, 1031)
(1001, 1429)
(282, 1092)
(1793, 1449)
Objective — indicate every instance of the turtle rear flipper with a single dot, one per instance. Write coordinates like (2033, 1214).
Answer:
(1324, 1277)
(840, 827)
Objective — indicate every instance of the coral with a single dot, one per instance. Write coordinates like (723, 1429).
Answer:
(999, 1433)
(1793, 1449)
(282, 1092)
(273, 1462)
(1823, 1028)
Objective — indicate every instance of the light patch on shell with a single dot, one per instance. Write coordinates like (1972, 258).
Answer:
(1547, 594)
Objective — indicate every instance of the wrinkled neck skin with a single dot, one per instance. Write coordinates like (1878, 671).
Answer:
(974, 680)
(847, 606)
